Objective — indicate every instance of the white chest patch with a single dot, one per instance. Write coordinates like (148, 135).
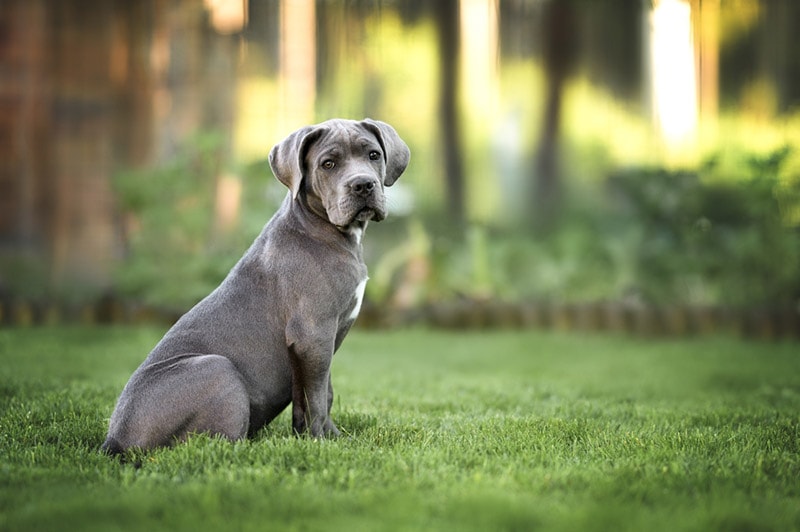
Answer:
(358, 233)
(359, 297)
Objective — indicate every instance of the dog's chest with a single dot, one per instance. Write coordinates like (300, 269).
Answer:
(357, 299)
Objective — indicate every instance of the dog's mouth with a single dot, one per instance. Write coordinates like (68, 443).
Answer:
(357, 211)
(366, 214)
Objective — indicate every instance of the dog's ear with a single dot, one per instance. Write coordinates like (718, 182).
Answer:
(395, 152)
(287, 158)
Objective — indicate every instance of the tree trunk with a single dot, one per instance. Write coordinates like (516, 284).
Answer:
(447, 21)
(559, 47)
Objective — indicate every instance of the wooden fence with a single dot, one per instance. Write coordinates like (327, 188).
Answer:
(763, 323)
(766, 323)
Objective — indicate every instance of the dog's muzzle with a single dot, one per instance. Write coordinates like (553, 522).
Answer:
(363, 200)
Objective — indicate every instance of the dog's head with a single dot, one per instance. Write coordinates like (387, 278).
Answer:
(340, 168)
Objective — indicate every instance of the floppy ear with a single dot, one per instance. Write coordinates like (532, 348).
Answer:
(395, 152)
(287, 158)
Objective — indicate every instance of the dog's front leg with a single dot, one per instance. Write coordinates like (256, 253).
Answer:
(330, 428)
(311, 387)
(311, 392)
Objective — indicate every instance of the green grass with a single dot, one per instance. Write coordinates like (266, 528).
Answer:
(468, 431)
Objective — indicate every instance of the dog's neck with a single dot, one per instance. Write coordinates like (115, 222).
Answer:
(355, 231)
(316, 222)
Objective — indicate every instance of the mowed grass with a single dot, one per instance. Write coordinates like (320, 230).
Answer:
(445, 431)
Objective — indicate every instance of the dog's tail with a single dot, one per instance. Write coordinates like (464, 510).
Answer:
(112, 447)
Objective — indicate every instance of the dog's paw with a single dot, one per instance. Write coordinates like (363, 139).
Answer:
(330, 430)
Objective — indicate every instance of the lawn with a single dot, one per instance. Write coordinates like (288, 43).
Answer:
(445, 431)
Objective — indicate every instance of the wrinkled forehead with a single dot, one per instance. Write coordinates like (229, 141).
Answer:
(343, 139)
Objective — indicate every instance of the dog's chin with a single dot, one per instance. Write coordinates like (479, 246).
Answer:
(365, 215)
(360, 218)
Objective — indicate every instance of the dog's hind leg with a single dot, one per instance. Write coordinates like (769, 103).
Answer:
(169, 400)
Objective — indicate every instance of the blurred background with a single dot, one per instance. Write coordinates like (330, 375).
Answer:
(565, 153)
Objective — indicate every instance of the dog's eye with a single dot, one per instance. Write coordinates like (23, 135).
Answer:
(374, 155)
(328, 164)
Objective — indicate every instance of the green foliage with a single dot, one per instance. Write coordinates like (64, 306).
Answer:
(26, 274)
(707, 238)
(724, 234)
(176, 251)
(502, 431)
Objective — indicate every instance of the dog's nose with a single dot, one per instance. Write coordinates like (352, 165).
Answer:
(362, 186)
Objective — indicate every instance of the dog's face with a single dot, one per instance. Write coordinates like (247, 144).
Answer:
(340, 168)
(345, 169)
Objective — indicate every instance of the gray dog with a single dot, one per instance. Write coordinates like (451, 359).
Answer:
(266, 336)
